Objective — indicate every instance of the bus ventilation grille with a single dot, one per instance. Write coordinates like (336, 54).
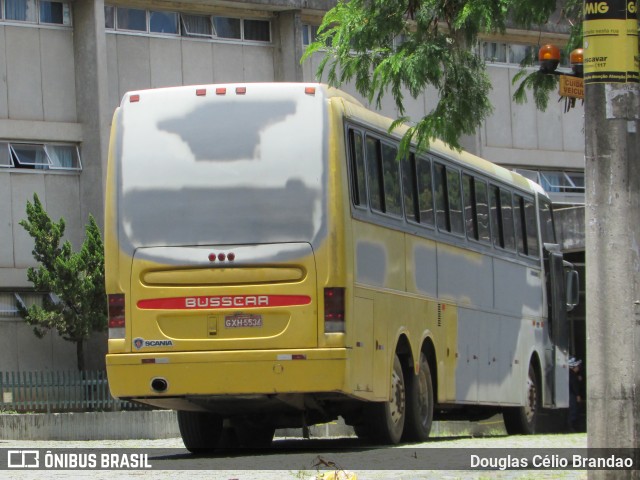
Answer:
(439, 315)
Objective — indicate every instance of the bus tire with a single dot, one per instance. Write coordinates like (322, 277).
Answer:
(386, 419)
(523, 420)
(419, 404)
(200, 431)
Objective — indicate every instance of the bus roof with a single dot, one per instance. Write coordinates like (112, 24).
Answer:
(354, 110)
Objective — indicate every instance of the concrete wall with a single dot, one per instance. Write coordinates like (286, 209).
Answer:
(521, 135)
(139, 62)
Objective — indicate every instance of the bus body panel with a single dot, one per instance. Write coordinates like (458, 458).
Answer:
(264, 298)
(212, 373)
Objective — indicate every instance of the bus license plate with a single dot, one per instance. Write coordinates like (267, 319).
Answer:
(243, 321)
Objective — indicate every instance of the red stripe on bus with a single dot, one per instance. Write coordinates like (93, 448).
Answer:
(224, 301)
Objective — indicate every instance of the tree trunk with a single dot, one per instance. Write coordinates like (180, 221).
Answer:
(80, 354)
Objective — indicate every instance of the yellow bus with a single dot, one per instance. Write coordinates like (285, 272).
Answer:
(272, 262)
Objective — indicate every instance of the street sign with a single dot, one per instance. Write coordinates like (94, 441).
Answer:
(571, 86)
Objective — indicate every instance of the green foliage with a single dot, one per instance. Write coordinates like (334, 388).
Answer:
(540, 84)
(77, 306)
(437, 36)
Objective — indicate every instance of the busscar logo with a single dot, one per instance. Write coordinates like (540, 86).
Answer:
(235, 301)
(23, 459)
(140, 343)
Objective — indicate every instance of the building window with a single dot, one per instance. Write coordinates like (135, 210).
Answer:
(163, 22)
(257, 30)
(132, 19)
(227, 28)
(39, 156)
(21, 10)
(518, 53)
(109, 17)
(186, 25)
(493, 52)
(566, 182)
(9, 302)
(556, 181)
(55, 13)
(196, 26)
(46, 12)
(309, 34)
(509, 53)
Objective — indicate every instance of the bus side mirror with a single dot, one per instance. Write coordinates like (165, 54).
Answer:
(572, 282)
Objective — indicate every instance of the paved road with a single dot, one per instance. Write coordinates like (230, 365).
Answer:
(295, 459)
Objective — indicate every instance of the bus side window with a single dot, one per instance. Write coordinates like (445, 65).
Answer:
(358, 181)
(521, 226)
(410, 187)
(425, 191)
(546, 223)
(507, 220)
(374, 172)
(476, 208)
(496, 218)
(391, 180)
(455, 201)
(482, 211)
(470, 215)
(532, 228)
(442, 204)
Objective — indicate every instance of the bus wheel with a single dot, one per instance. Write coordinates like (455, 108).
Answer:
(419, 404)
(200, 431)
(387, 418)
(522, 420)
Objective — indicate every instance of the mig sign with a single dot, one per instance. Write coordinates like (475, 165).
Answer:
(610, 41)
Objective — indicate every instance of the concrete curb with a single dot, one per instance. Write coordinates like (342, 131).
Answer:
(149, 424)
(158, 424)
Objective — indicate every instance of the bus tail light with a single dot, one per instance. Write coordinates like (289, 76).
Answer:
(116, 315)
(334, 309)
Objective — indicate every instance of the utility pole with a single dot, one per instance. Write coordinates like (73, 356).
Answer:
(612, 111)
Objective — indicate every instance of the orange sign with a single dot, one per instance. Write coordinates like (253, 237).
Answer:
(571, 86)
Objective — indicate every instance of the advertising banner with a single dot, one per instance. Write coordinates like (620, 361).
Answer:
(611, 41)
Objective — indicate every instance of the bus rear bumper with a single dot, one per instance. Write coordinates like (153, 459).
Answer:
(132, 375)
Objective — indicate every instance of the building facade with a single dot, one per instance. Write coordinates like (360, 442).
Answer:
(64, 66)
